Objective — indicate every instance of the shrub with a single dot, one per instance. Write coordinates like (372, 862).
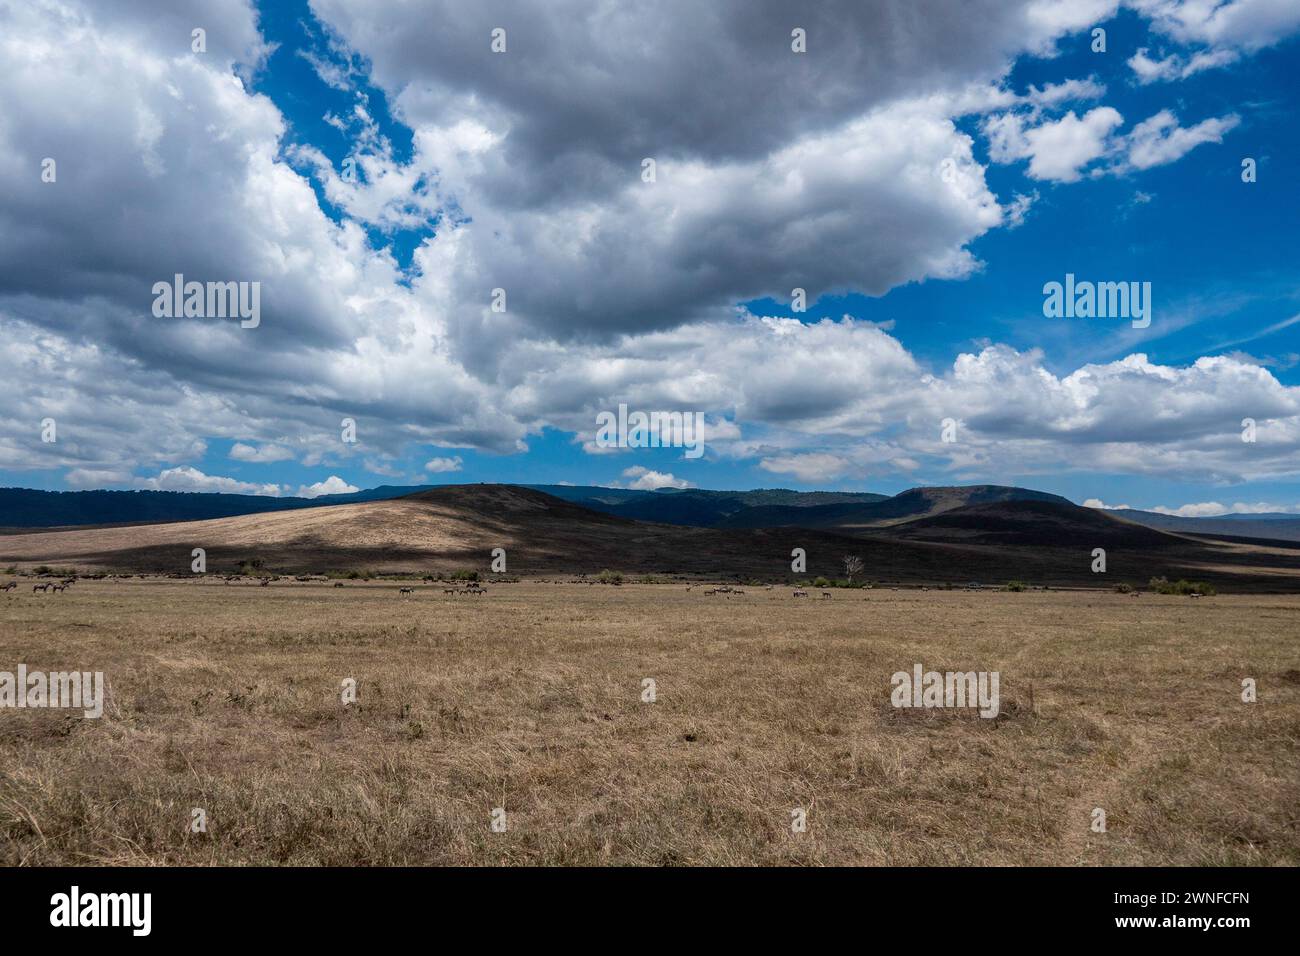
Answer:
(1163, 585)
(1016, 586)
(609, 577)
(464, 576)
(821, 583)
(1124, 588)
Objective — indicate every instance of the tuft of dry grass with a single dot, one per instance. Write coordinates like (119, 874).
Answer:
(529, 698)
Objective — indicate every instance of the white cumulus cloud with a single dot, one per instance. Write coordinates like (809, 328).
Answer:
(644, 479)
(264, 453)
(439, 465)
(333, 485)
(185, 478)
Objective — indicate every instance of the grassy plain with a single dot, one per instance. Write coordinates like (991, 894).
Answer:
(227, 697)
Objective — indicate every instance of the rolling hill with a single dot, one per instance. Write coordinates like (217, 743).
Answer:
(855, 513)
(851, 517)
(446, 528)
(456, 527)
(1032, 523)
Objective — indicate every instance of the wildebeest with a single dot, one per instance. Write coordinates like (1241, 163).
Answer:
(800, 593)
(40, 587)
(11, 585)
(338, 584)
(826, 594)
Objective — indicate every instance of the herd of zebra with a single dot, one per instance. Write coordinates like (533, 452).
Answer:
(468, 589)
(727, 590)
(53, 587)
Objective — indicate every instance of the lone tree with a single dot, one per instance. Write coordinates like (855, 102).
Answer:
(852, 566)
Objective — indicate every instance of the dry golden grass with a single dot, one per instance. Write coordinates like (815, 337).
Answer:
(529, 698)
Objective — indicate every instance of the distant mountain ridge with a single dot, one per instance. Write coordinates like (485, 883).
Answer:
(701, 508)
(32, 508)
(841, 512)
(1274, 526)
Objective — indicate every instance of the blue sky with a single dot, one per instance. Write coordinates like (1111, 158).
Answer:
(475, 170)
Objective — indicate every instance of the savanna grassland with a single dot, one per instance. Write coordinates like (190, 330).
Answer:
(227, 697)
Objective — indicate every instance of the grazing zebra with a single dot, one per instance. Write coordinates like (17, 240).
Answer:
(338, 584)
(11, 585)
(800, 593)
(406, 591)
